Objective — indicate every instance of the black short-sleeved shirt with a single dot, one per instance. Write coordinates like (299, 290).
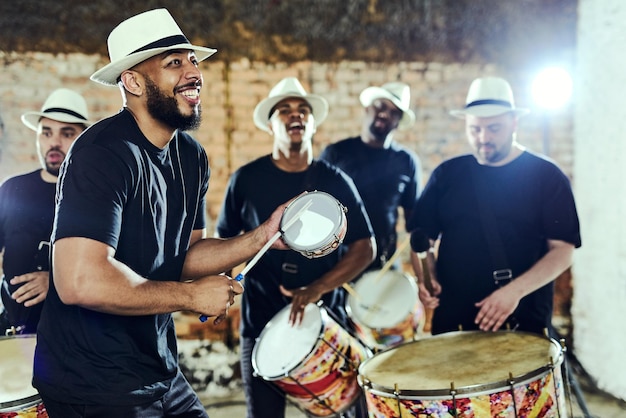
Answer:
(386, 178)
(117, 188)
(531, 201)
(254, 192)
(26, 215)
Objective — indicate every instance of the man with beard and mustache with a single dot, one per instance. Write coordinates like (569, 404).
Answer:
(27, 210)
(505, 219)
(291, 116)
(387, 174)
(129, 242)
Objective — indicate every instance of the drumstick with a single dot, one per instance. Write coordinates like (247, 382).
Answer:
(393, 258)
(267, 246)
(351, 291)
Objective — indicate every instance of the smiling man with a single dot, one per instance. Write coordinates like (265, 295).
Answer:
(27, 210)
(129, 245)
(291, 116)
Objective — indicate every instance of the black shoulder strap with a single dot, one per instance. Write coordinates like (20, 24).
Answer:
(502, 270)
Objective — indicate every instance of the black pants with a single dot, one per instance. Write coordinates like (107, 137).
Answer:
(180, 402)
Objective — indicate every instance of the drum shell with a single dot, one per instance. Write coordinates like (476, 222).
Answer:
(320, 229)
(527, 366)
(326, 375)
(386, 311)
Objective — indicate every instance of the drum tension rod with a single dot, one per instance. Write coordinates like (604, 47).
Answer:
(512, 383)
(455, 412)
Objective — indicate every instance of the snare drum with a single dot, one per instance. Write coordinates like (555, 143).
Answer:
(18, 398)
(386, 310)
(467, 374)
(315, 363)
(321, 227)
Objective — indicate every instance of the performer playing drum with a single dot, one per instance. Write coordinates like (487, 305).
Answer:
(299, 277)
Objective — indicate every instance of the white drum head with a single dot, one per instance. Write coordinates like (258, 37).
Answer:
(16, 368)
(281, 347)
(317, 225)
(383, 301)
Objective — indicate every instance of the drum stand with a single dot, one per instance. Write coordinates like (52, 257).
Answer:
(572, 384)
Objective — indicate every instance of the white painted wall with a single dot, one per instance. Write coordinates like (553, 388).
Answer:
(599, 303)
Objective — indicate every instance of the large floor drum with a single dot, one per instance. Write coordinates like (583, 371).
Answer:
(466, 374)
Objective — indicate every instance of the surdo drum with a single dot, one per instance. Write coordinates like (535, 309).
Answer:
(467, 374)
(18, 398)
(321, 227)
(314, 364)
(385, 309)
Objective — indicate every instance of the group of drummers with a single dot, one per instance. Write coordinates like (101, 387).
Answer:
(329, 316)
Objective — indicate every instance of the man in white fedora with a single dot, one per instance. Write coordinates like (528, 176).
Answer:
(27, 210)
(291, 116)
(129, 241)
(506, 221)
(387, 174)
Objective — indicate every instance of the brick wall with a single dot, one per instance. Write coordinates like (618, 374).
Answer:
(232, 90)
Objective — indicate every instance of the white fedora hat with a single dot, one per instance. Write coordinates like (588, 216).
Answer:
(63, 105)
(398, 93)
(288, 87)
(487, 97)
(141, 37)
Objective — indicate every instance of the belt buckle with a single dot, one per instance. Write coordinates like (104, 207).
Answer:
(503, 274)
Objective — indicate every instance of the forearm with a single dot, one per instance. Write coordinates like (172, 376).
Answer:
(87, 274)
(217, 255)
(545, 270)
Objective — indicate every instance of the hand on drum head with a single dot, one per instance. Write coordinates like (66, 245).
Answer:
(300, 297)
(214, 295)
(496, 308)
(271, 227)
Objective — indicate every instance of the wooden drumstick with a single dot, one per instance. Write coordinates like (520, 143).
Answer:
(268, 244)
(393, 259)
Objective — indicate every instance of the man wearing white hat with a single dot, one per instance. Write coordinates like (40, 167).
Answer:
(129, 242)
(387, 174)
(291, 116)
(506, 220)
(27, 209)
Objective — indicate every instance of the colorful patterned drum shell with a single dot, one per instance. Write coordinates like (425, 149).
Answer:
(467, 374)
(315, 364)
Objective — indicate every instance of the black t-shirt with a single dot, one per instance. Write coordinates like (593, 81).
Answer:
(254, 192)
(386, 178)
(531, 201)
(26, 215)
(118, 188)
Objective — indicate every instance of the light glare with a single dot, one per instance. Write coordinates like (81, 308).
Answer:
(552, 88)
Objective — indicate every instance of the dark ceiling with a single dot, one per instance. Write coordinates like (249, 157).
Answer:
(505, 32)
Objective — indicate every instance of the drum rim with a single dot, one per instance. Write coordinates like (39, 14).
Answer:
(23, 403)
(351, 312)
(287, 373)
(325, 239)
(482, 388)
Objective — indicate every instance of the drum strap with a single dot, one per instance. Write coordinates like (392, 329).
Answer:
(502, 274)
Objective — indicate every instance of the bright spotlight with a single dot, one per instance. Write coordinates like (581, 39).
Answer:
(552, 88)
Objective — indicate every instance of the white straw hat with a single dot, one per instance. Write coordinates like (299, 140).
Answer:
(487, 97)
(398, 93)
(288, 87)
(63, 105)
(141, 37)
